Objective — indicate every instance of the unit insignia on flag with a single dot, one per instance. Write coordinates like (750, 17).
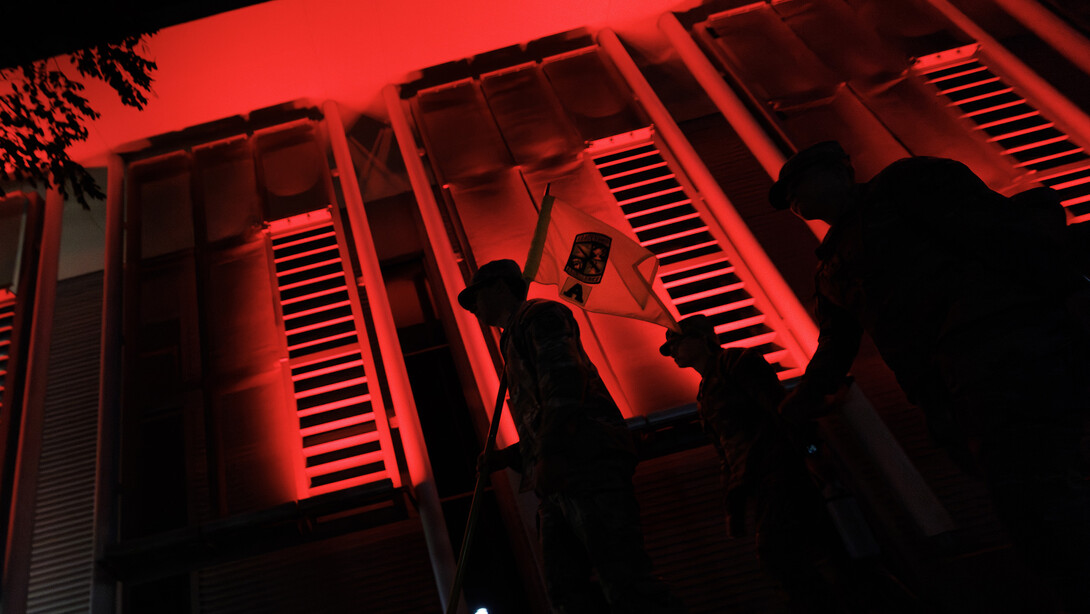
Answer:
(589, 254)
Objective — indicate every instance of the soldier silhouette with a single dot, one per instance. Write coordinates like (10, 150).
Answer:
(574, 452)
(768, 487)
(765, 479)
(981, 318)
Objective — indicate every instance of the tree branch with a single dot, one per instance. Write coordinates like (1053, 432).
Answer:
(45, 113)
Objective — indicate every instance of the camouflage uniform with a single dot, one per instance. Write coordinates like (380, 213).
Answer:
(578, 456)
(764, 474)
(971, 307)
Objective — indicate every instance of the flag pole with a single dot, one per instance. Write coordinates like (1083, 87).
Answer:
(533, 260)
(537, 245)
(475, 506)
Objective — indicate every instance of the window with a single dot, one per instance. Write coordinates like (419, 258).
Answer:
(250, 380)
(1027, 137)
(693, 267)
(343, 428)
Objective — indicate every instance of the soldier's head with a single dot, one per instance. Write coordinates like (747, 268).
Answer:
(496, 290)
(816, 183)
(694, 345)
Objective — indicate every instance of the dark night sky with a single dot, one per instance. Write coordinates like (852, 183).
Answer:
(41, 29)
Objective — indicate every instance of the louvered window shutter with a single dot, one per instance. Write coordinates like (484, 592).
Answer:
(7, 324)
(1025, 135)
(693, 266)
(343, 427)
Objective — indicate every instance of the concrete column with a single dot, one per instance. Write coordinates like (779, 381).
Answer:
(404, 405)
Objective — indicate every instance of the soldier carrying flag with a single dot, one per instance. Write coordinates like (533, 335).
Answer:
(574, 450)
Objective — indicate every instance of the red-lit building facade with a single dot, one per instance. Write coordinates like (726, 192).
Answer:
(268, 400)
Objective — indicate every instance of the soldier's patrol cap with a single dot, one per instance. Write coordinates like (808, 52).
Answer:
(693, 326)
(489, 272)
(825, 152)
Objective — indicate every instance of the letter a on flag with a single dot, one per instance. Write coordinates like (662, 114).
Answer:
(594, 265)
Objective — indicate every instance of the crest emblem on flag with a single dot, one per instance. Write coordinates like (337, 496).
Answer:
(588, 258)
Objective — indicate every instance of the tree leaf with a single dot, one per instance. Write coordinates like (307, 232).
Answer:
(45, 114)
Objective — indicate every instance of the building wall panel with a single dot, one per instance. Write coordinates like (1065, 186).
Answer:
(681, 505)
(384, 570)
(61, 558)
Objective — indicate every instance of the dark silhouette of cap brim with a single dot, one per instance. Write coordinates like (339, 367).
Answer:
(488, 273)
(777, 195)
(468, 298)
(826, 152)
(693, 326)
(666, 349)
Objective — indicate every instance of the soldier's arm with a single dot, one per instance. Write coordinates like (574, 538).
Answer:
(759, 379)
(838, 343)
(498, 460)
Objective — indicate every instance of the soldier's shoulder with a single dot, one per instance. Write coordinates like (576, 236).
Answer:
(539, 307)
(923, 170)
(922, 162)
(729, 358)
(543, 313)
(743, 358)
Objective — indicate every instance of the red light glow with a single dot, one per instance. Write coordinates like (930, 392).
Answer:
(277, 52)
